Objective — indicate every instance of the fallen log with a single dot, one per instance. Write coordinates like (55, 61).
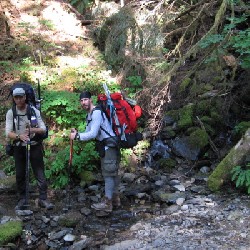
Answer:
(235, 157)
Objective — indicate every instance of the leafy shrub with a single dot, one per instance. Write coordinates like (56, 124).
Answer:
(90, 80)
(135, 85)
(238, 41)
(241, 127)
(62, 108)
(84, 158)
(241, 176)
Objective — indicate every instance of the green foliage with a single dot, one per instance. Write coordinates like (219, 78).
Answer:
(232, 39)
(165, 50)
(185, 83)
(139, 150)
(62, 108)
(81, 5)
(7, 163)
(165, 65)
(241, 176)
(24, 65)
(9, 231)
(84, 158)
(9, 168)
(186, 116)
(89, 80)
(47, 23)
(198, 138)
(134, 86)
(212, 39)
(241, 44)
(85, 78)
(241, 127)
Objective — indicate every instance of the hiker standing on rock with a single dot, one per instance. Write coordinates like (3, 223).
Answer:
(20, 130)
(99, 128)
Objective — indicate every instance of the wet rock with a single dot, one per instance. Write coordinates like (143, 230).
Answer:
(181, 147)
(168, 197)
(127, 244)
(174, 182)
(24, 212)
(180, 188)
(205, 170)
(159, 149)
(69, 237)
(86, 211)
(82, 244)
(134, 189)
(128, 177)
(45, 219)
(180, 201)
(59, 235)
(2, 174)
(198, 189)
(2, 211)
(70, 219)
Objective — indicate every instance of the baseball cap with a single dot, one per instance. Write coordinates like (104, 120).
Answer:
(18, 92)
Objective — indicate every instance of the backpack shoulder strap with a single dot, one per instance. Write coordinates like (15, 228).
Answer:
(14, 111)
(14, 115)
(28, 111)
(98, 107)
(33, 112)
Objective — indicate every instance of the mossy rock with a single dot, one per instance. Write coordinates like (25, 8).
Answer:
(198, 138)
(168, 132)
(195, 90)
(87, 177)
(185, 83)
(235, 157)
(185, 116)
(173, 114)
(202, 107)
(207, 119)
(208, 129)
(207, 87)
(167, 164)
(70, 219)
(216, 116)
(9, 182)
(190, 130)
(9, 231)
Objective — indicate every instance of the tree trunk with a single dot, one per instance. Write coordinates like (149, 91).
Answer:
(235, 157)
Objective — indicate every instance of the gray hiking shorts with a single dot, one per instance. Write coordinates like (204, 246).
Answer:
(110, 162)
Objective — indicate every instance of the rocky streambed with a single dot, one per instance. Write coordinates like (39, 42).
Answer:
(160, 211)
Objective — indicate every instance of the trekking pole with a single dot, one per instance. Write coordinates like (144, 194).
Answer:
(69, 173)
(39, 94)
(27, 170)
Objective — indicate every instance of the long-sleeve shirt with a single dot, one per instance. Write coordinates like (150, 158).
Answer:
(96, 120)
(21, 121)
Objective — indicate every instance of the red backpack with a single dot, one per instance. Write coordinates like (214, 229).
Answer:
(126, 114)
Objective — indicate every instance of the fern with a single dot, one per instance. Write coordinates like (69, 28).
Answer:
(241, 176)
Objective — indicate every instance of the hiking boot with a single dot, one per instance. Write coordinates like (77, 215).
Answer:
(20, 205)
(116, 201)
(46, 204)
(105, 205)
